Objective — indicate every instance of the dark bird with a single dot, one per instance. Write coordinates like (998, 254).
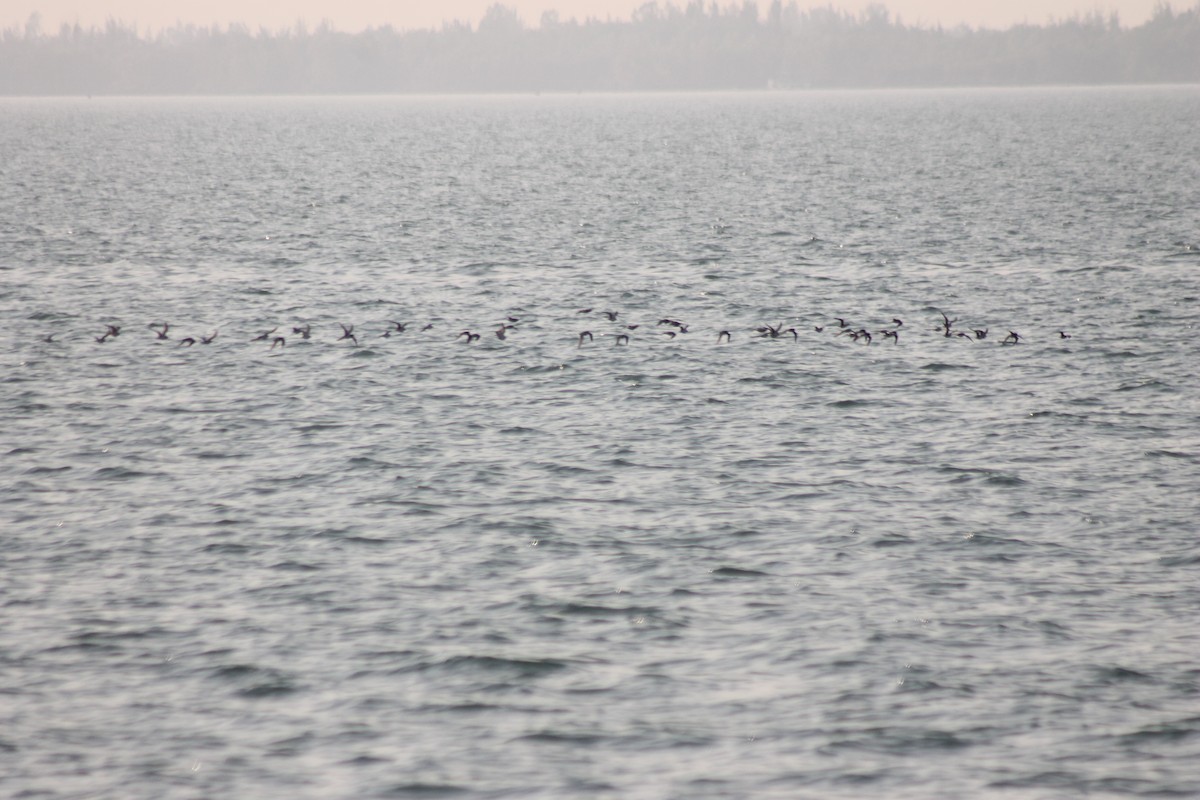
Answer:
(945, 326)
(980, 333)
(861, 333)
(514, 319)
(612, 315)
(819, 328)
(775, 331)
(209, 339)
(348, 333)
(112, 333)
(771, 331)
(262, 337)
(49, 337)
(898, 322)
(1064, 335)
(631, 327)
(427, 327)
(588, 334)
(304, 332)
(841, 322)
(964, 335)
(161, 334)
(471, 337)
(668, 334)
(584, 311)
(500, 331)
(1012, 338)
(724, 335)
(399, 328)
(278, 340)
(893, 335)
(622, 338)
(189, 341)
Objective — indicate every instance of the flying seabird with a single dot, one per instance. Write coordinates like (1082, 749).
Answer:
(112, 333)
(945, 326)
(771, 331)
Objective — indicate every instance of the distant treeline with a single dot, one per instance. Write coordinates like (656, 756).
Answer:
(662, 47)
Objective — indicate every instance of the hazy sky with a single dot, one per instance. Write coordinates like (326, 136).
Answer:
(354, 15)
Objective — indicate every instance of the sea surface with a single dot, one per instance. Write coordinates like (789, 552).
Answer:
(557, 566)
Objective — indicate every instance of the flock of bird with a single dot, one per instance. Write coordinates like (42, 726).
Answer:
(665, 327)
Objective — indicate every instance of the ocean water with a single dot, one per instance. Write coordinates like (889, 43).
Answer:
(548, 566)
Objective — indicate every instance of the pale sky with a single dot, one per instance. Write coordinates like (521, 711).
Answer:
(354, 15)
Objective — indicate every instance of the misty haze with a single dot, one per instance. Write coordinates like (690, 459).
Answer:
(663, 47)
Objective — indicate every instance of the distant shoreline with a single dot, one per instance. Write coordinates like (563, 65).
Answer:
(603, 93)
(667, 50)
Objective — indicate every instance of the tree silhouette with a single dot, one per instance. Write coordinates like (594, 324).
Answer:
(663, 46)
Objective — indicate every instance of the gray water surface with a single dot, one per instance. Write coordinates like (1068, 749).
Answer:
(778, 567)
